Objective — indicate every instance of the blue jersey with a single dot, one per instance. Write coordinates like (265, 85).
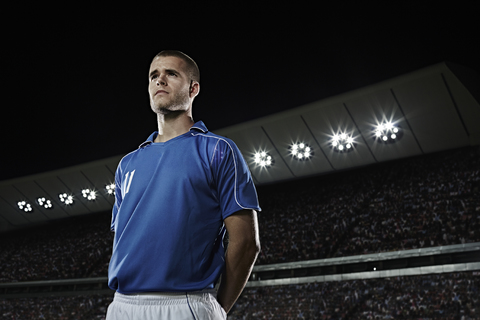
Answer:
(171, 200)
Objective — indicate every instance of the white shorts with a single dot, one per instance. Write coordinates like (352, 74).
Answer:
(161, 306)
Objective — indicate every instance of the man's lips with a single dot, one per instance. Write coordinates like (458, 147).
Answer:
(161, 92)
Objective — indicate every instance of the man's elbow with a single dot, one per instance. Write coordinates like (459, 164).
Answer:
(258, 247)
(253, 246)
(248, 245)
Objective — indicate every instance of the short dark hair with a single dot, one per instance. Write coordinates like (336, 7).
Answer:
(192, 68)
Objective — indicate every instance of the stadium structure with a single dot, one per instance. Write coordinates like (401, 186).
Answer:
(434, 111)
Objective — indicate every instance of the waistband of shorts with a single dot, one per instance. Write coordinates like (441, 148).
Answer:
(165, 298)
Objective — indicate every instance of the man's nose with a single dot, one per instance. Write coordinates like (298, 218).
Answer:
(161, 80)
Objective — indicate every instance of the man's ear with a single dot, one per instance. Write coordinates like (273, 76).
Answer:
(194, 89)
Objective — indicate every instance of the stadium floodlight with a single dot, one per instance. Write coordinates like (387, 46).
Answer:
(110, 189)
(263, 159)
(89, 194)
(301, 151)
(25, 206)
(65, 198)
(387, 132)
(43, 202)
(342, 142)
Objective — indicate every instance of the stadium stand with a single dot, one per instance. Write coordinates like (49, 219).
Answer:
(422, 202)
(445, 296)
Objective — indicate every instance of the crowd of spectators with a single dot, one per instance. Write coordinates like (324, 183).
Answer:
(58, 308)
(435, 296)
(426, 201)
(433, 200)
(75, 248)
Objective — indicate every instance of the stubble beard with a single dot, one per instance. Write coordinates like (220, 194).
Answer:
(177, 105)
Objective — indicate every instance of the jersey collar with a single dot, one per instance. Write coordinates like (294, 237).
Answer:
(198, 126)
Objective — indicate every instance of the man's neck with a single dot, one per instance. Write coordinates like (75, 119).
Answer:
(171, 126)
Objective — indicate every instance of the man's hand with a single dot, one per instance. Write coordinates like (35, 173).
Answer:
(242, 251)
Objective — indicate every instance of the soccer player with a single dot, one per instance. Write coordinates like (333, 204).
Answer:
(175, 196)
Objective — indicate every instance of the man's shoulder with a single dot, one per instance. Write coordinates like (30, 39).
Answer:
(200, 130)
(126, 158)
(215, 138)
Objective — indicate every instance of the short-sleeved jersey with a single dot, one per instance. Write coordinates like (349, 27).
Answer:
(170, 202)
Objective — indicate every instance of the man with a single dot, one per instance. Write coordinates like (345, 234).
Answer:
(175, 195)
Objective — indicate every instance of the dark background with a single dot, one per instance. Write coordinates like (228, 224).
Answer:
(75, 78)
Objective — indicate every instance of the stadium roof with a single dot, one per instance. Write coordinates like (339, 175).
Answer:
(436, 108)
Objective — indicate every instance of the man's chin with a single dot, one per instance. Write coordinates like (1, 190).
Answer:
(165, 110)
(162, 110)
(169, 112)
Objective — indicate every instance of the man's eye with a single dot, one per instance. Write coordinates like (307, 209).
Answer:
(172, 74)
(153, 77)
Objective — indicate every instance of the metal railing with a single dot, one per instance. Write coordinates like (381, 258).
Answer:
(453, 258)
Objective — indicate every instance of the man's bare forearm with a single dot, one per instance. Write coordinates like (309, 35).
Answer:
(242, 251)
(239, 263)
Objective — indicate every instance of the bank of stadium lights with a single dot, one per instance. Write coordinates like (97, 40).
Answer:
(110, 189)
(342, 142)
(387, 132)
(43, 202)
(301, 151)
(89, 194)
(65, 198)
(25, 206)
(263, 159)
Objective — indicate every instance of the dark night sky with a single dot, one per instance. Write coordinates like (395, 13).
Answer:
(76, 81)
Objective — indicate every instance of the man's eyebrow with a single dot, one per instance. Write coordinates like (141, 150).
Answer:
(166, 70)
(152, 73)
(172, 71)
